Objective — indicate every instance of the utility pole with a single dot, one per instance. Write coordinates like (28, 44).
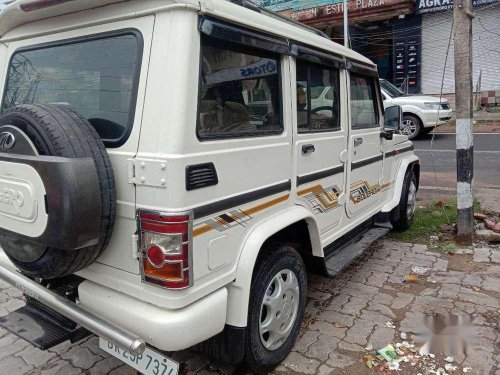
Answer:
(346, 23)
(462, 15)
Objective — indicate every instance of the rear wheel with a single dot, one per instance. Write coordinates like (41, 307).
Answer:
(411, 127)
(276, 309)
(403, 214)
(60, 131)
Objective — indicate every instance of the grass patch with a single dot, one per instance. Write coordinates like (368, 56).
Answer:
(429, 221)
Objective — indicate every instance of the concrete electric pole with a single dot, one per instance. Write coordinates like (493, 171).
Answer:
(462, 15)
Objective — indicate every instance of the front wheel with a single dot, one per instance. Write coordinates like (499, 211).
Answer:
(276, 310)
(411, 127)
(403, 214)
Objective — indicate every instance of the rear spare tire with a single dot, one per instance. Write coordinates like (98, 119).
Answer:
(62, 132)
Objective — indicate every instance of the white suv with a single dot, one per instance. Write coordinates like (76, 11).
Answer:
(421, 114)
(165, 181)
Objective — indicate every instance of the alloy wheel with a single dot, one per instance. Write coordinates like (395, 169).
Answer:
(408, 128)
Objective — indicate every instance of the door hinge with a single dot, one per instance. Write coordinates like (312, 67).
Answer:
(147, 172)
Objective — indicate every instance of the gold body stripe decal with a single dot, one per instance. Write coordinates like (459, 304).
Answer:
(233, 218)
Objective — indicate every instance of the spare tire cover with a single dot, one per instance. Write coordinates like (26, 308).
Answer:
(51, 130)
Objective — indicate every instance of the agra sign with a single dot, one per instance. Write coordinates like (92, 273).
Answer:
(433, 6)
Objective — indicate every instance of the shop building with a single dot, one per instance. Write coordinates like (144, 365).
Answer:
(437, 20)
(407, 39)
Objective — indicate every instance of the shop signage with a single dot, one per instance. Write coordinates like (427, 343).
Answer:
(433, 6)
(278, 5)
(335, 8)
(406, 62)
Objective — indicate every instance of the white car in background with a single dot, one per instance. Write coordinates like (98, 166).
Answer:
(421, 114)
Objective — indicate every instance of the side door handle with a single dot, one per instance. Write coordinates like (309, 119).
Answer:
(308, 149)
(358, 142)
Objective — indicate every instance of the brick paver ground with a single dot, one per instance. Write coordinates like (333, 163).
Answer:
(367, 307)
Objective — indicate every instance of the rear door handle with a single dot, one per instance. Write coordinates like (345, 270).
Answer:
(358, 142)
(308, 149)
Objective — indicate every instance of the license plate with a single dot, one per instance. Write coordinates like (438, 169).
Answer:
(148, 363)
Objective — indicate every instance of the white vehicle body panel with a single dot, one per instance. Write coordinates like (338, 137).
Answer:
(164, 133)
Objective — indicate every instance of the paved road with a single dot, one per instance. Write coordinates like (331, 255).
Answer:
(365, 308)
(442, 160)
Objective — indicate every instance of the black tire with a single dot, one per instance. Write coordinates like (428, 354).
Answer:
(418, 126)
(60, 131)
(400, 218)
(427, 130)
(278, 258)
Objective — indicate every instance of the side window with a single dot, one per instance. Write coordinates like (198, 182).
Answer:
(240, 94)
(318, 103)
(364, 111)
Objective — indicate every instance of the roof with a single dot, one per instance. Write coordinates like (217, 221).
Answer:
(16, 17)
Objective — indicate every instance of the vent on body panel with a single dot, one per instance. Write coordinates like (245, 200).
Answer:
(201, 175)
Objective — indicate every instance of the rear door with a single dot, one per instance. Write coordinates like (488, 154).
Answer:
(320, 140)
(101, 72)
(365, 145)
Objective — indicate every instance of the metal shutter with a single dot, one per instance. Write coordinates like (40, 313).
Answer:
(485, 36)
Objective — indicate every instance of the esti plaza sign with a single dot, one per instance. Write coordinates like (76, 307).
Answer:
(295, 5)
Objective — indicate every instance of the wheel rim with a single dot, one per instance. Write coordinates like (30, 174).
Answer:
(408, 127)
(412, 201)
(278, 311)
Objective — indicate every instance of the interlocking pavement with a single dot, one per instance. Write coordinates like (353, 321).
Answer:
(370, 305)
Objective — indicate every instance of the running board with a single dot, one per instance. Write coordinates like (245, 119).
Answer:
(41, 327)
(342, 257)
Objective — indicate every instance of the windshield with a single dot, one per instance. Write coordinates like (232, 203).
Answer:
(389, 88)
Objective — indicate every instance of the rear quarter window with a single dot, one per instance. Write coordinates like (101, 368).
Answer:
(97, 76)
(240, 92)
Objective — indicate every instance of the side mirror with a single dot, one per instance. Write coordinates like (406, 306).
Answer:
(393, 118)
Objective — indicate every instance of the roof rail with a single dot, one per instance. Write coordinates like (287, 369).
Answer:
(257, 8)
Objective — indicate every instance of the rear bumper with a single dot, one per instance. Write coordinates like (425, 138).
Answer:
(73, 311)
(165, 329)
(126, 321)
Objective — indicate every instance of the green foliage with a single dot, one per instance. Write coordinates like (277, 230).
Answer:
(429, 220)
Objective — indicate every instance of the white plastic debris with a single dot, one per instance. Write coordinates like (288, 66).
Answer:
(390, 325)
(406, 344)
(394, 365)
(403, 336)
(369, 347)
(419, 270)
(449, 367)
(449, 359)
(431, 355)
(466, 369)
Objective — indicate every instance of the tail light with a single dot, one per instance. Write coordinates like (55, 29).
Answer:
(165, 248)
